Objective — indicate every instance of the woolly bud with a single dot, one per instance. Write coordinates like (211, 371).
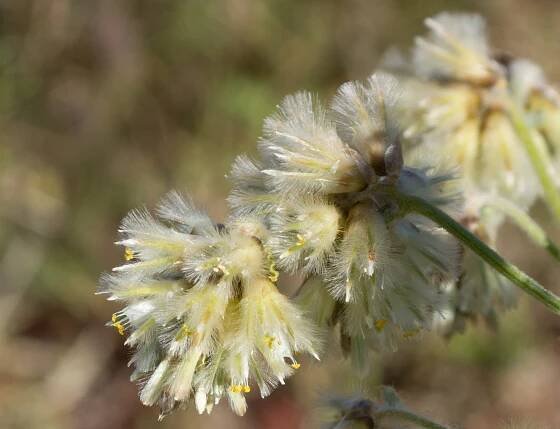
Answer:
(304, 153)
(304, 235)
(455, 49)
(365, 116)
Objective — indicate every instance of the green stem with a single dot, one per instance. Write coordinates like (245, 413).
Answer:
(526, 223)
(508, 270)
(538, 157)
(408, 416)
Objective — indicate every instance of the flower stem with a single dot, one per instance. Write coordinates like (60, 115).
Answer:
(526, 223)
(508, 270)
(403, 415)
(538, 157)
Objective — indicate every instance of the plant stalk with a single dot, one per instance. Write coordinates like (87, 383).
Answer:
(526, 223)
(508, 270)
(538, 157)
(407, 416)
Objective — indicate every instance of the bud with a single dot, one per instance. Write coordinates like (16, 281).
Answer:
(455, 49)
(304, 235)
(303, 152)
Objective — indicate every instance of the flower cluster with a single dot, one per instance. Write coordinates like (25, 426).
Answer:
(460, 107)
(324, 185)
(202, 308)
(333, 198)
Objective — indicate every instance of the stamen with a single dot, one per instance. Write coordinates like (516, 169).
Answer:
(411, 333)
(269, 341)
(380, 324)
(118, 325)
(184, 331)
(128, 254)
(237, 388)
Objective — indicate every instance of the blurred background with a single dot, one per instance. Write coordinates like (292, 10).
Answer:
(106, 105)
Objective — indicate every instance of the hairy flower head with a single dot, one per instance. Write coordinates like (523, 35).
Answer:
(462, 106)
(337, 220)
(455, 49)
(203, 312)
(458, 107)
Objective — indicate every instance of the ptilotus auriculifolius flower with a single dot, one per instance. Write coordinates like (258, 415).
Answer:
(459, 105)
(332, 197)
(324, 185)
(203, 312)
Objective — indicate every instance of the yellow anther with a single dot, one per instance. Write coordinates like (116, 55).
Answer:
(295, 365)
(296, 247)
(128, 254)
(183, 332)
(246, 389)
(273, 273)
(380, 324)
(269, 341)
(410, 333)
(236, 388)
(118, 325)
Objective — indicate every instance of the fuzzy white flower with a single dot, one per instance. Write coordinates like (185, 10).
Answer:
(304, 153)
(202, 309)
(303, 234)
(455, 49)
(461, 108)
(342, 226)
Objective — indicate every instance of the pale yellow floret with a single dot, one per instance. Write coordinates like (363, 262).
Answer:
(181, 385)
(247, 257)
(464, 61)
(145, 289)
(141, 331)
(156, 263)
(463, 147)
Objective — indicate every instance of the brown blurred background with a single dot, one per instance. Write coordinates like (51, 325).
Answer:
(105, 105)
